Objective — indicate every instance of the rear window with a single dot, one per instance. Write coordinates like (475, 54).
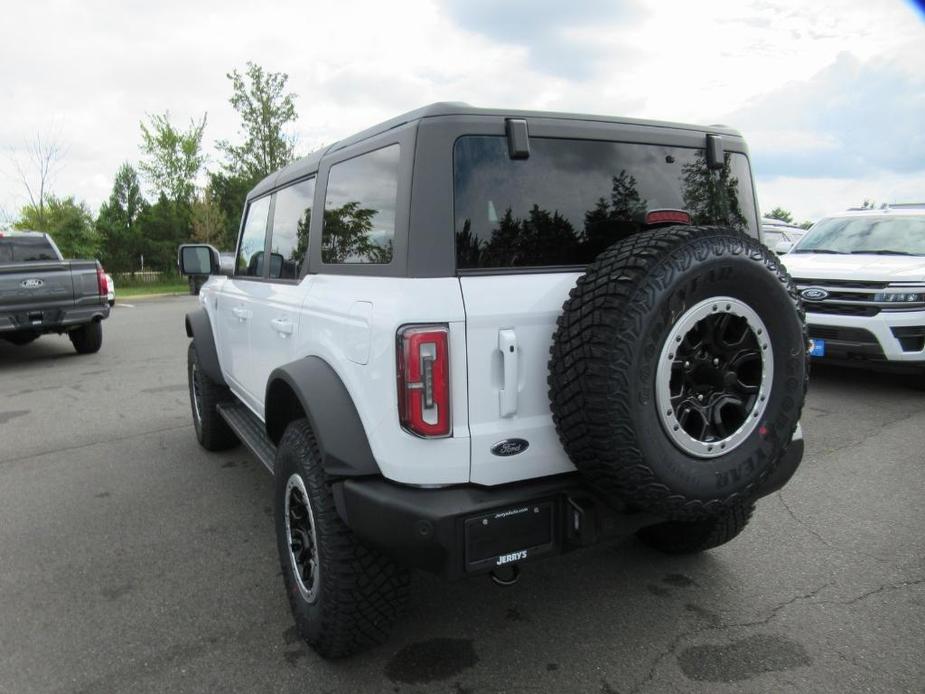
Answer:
(359, 209)
(26, 249)
(571, 199)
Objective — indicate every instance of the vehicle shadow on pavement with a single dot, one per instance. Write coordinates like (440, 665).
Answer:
(851, 378)
(45, 349)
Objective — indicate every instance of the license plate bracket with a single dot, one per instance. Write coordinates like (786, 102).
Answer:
(509, 535)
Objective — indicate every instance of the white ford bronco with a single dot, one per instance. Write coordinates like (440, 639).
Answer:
(466, 339)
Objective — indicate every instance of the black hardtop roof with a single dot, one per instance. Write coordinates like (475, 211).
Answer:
(309, 163)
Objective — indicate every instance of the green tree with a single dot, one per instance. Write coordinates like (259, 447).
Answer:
(781, 214)
(117, 222)
(69, 222)
(806, 225)
(172, 158)
(164, 226)
(228, 193)
(265, 108)
(207, 219)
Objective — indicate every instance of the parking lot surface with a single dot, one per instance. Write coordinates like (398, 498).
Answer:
(132, 560)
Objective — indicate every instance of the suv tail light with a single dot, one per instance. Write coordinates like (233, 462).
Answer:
(101, 283)
(424, 380)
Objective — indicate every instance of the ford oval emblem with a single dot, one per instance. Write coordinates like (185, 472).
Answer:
(510, 447)
(814, 294)
(32, 283)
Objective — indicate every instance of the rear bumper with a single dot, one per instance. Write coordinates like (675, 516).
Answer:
(469, 529)
(53, 320)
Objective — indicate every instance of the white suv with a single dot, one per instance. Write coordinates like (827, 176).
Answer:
(466, 339)
(862, 279)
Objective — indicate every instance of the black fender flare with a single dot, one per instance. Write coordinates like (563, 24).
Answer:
(334, 419)
(199, 327)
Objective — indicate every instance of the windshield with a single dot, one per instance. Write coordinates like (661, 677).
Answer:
(882, 235)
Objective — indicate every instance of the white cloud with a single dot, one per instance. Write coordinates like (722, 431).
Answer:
(94, 69)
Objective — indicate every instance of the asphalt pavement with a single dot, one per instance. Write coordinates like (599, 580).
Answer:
(133, 561)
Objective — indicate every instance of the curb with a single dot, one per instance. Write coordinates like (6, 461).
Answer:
(143, 297)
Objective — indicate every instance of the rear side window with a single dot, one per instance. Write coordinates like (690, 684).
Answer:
(571, 199)
(359, 208)
(253, 239)
(292, 216)
(26, 249)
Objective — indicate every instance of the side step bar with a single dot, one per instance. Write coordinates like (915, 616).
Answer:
(250, 430)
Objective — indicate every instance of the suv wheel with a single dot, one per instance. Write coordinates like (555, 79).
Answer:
(687, 537)
(344, 596)
(678, 370)
(205, 395)
(87, 339)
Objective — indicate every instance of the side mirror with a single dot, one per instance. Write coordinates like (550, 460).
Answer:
(783, 247)
(198, 259)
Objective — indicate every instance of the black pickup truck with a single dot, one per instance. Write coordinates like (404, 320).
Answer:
(41, 292)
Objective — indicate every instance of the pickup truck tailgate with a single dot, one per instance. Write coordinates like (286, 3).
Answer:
(37, 286)
(42, 294)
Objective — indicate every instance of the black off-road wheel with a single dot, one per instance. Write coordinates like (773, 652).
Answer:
(87, 339)
(678, 370)
(212, 432)
(689, 537)
(345, 596)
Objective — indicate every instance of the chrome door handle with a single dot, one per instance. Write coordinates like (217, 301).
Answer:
(507, 397)
(241, 314)
(282, 325)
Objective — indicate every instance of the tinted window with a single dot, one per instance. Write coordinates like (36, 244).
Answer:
(291, 218)
(26, 249)
(253, 238)
(571, 199)
(359, 209)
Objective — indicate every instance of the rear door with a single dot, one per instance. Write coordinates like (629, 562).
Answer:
(275, 320)
(525, 229)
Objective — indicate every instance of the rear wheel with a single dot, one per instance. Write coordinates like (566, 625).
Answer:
(344, 596)
(87, 339)
(205, 395)
(687, 537)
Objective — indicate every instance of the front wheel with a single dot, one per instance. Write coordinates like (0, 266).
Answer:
(212, 432)
(344, 596)
(87, 339)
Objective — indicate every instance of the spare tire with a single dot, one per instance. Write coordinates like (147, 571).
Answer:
(678, 370)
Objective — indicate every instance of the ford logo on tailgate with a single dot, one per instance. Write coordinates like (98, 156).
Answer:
(814, 294)
(510, 447)
(32, 283)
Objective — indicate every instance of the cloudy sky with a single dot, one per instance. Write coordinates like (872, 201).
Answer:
(830, 94)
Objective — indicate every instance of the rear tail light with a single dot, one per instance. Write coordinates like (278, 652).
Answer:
(424, 380)
(101, 282)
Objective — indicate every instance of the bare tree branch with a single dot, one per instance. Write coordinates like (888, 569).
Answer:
(42, 160)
